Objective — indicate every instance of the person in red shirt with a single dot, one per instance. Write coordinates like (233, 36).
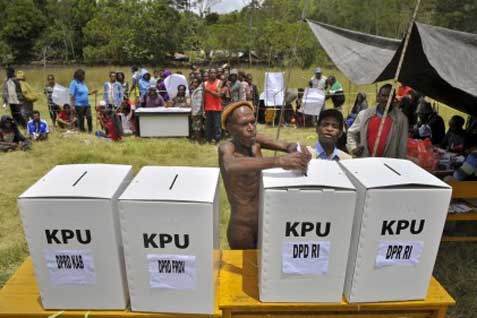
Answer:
(363, 134)
(66, 119)
(402, 92)
(213, 107)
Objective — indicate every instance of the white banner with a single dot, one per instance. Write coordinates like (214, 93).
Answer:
(174, 80)
(60, 95)
(399, 253)
(274, 93)
(306, 258)
(172, 271)
(70, 266)
(313, 101)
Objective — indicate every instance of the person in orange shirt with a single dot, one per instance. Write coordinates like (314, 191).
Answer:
(213, 107)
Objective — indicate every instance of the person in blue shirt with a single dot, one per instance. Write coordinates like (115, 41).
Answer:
(113, 91)
(37, 128)
(144, 83)
(329, 130)
(79, 98)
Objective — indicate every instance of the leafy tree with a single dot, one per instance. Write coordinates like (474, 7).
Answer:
(23, 23)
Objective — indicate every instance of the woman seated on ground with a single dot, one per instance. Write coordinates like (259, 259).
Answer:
(455, 137)
(66, 118)
(126, 114)
(109, 122)
(11, 137)
(181, 99)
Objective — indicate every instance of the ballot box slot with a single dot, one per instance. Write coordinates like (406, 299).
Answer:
(173, 182)
(393, 170)
(79, 179)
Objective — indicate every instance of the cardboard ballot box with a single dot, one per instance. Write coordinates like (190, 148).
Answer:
(400, 214)
(163, 121)
(72, 228)
(304, 235)
(169, 221)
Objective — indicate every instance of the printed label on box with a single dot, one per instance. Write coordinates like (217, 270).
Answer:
(399, 253)
(172, 271)
(70, 266)
(306, 258)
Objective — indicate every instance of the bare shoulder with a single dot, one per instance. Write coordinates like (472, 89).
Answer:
(226, 147)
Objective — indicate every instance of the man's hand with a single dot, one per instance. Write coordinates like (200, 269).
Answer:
(292, 147)
(357, 152)
(294, 161)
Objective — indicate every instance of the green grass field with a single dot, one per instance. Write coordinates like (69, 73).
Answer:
(456, 261)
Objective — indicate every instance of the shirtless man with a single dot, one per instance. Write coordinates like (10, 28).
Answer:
(241, 163)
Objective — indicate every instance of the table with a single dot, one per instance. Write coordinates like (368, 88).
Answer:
(239, 297)
(20, 298)
(462, 190)
(163, 121)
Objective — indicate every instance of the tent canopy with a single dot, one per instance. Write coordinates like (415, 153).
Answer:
(439, 62)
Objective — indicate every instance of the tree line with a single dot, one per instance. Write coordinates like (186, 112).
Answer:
(151, 31)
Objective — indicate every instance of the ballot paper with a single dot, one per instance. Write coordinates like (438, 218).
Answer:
(313, 101)
(274, 93)
(173, 81)
(60, 95)
(459, 207)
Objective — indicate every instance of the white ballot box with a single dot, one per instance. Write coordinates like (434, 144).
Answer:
(304, 233)
(72, 228)
(400, 214)
(170, 226)
(163, 121)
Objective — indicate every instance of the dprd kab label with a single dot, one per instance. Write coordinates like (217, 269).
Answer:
(70, 266)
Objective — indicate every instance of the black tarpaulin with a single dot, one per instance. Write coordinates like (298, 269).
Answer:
(439, 62)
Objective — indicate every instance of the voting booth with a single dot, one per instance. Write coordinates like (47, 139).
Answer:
(400, 214)
(163, 121)
(72, 228)
(304, 233)
(170, 229)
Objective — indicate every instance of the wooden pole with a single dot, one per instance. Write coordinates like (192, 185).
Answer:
(287, 83)
(396, 77)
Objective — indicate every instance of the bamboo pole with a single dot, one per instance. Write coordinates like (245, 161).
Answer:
(303, 17)
(396, 77)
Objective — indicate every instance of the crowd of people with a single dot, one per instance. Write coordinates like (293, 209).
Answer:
(208, 92)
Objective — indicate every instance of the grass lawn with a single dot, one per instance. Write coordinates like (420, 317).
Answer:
(455, 266)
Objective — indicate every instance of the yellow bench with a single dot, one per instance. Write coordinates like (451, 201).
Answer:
(462, 190)
(239, 297)
(20, 297)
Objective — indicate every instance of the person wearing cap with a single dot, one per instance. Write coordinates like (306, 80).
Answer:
(152, 98)
(241, 163)
(318, 80)
(430, 124)
(29, 97)
(363, 134)
(329, 131)
(13, 96)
